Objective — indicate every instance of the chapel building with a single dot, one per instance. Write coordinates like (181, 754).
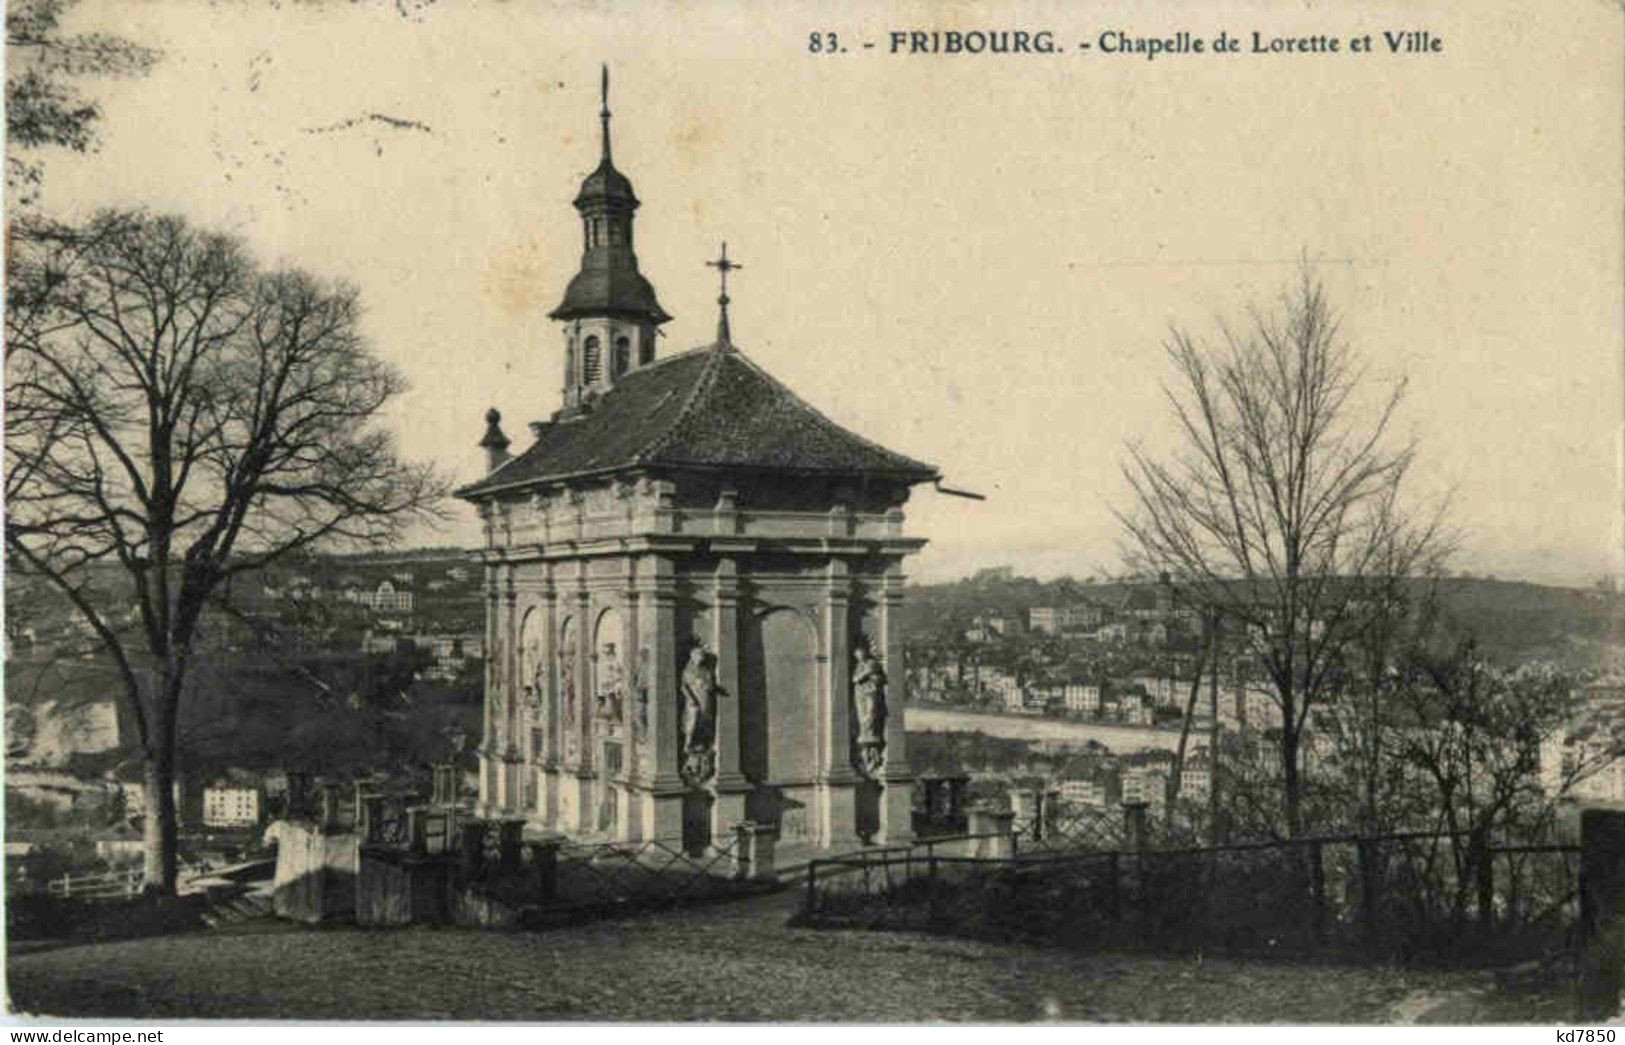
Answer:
(694, 585)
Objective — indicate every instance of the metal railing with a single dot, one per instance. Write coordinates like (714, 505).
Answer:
(112, 885)
(1402, 896)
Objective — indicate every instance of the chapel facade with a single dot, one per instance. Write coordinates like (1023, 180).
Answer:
(694, 583)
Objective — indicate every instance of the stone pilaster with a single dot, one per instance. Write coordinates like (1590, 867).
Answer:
(633, 638)
(490, 741)
(897, 778)
(510, 791)
(586, 814)
(547, 779)
(837, 812)
(663, 809)
(730, 785)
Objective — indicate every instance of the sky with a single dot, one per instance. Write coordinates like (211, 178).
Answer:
(972, 259)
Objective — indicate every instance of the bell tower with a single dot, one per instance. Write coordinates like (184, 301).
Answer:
(610, 313)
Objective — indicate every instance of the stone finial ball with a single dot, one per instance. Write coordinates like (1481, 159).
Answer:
(492, 416)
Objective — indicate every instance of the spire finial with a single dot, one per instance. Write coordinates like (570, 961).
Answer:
(723, 267)
(603, 106)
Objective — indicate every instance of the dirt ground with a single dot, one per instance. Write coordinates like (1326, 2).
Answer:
(736, 962)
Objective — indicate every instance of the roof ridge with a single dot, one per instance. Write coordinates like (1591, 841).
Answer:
(787, 390)
(706, 379)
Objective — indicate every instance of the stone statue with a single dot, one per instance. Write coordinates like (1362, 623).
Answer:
(699, 718)
(637, 687)
(567, 688)
(869, 708)
(611, 695)
(538, 686)
(493, 665)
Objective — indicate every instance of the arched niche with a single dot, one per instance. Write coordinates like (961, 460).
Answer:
(609, 671)
(532, 681)
(569, 704)
(778, 699)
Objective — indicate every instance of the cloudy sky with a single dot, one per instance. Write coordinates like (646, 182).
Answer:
(971, 259)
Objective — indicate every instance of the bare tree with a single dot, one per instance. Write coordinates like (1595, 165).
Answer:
(1468, 738)
(176, 416)
(1281, 515)
(42, 106)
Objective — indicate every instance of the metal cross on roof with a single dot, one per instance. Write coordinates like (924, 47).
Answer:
(723, 266)
(603, 108)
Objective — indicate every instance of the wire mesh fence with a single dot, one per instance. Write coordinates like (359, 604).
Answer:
(1398, 897)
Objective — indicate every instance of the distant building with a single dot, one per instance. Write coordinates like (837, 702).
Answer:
(1081, 696)
(1083, 792)
(387, 598)
(231, 804)
(1160, 688)
(1147, 784)
(1112, 634)
(1196, 778)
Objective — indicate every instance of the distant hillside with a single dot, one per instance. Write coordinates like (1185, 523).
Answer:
(1513, 620)
(322, 712)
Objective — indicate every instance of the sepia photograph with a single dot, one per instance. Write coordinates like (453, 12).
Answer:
(682, 512)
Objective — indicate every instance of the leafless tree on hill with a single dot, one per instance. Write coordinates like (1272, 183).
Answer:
(1284, 513)
(176, 412)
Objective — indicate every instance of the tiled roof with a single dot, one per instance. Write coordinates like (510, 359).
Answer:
(707, 408)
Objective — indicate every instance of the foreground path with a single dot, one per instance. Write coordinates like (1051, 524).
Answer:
(736, 962)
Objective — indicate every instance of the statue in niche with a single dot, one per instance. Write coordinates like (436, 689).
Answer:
(493, 681)
(699, 718)
(567, 701)
(538, 685)
(610, 700)
(869, 708)
(637, 688)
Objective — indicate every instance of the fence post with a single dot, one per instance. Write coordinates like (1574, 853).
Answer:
(1114, 897)
(369, 816)
(545, 868)
(1485, 880)
(999, 824)
(509, 835)
(931, 912)
(741, 851)
(417, 831)
(1134, 824)
(1602, 912)
(1365, 852)
(1050, 806)
(761, 838)
(1317, 889)
(473, 848)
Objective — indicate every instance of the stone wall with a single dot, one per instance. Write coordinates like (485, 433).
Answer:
(315, 873)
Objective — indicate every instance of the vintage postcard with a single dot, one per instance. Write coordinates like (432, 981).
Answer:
(657, 511)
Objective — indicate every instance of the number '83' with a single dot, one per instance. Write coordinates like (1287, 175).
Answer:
(823, 43)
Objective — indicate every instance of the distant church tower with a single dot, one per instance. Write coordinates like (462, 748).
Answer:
(693, 586)
(609, 310)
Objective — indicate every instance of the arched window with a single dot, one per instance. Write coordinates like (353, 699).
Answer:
(622, 357)
(646, 350)
(591, 363)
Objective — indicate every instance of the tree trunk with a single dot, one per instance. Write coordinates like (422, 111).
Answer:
(1290, 784)
(162, 821)
(159, 829)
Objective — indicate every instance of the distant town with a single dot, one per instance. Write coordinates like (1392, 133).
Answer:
(346, 668)
(1087, 698)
